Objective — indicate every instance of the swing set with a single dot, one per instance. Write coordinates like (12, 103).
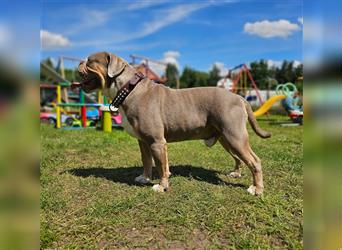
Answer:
(240, 83)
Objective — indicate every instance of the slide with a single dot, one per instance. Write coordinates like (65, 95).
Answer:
(268, 104)
(52, 73)
(56, 77)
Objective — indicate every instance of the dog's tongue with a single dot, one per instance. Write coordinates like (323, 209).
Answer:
(75, 85)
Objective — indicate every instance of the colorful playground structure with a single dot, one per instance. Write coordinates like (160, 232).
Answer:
(71, 110)
(240, 85)
(64, 117)
(243, 83)
(286, 93)
(90, 111)
(86, 111)
(268, 104)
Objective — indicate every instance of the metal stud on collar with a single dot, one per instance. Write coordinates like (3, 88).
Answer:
(124, 92)
(114, 106)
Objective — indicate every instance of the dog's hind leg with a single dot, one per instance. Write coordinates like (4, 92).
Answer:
(240, 146)
(159, 153)
(146, 157)
(256, 170)
(237, 170)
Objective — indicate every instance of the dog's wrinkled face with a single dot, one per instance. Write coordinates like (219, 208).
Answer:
(98, 69)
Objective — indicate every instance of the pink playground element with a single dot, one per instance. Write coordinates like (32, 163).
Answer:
(117, 119)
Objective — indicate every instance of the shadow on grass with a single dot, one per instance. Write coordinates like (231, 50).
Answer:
(127, 174)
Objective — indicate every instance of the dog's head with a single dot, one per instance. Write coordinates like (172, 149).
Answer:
(99, 69)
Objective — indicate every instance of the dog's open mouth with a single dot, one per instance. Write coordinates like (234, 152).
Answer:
(92, 78)
(89, 83)
(87, 80)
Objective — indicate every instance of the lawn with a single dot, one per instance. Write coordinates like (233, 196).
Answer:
(89, 198)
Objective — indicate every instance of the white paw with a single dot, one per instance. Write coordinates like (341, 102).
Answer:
(158, 188)
(234, 174)
(142, 180)
(251, 190)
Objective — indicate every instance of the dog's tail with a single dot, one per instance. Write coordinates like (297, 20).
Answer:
(254, 123)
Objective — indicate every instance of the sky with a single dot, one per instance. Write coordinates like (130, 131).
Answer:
(198, 34)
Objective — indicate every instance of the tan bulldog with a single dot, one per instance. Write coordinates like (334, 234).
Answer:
(156, 115)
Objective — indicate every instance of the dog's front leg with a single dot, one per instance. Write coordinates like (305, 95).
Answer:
(146, 157)
(159, 153)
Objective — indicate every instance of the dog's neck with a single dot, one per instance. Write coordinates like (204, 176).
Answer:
(118, 82)
(114, 84)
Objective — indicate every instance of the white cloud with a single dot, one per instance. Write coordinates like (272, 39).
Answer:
(51, 40)
(168, 17)
(221, 67)
(168, 57)
(145, 4)
(89, 19)
(300, 20)
(173, 54)
(160, 20)
(5, 35)
(96, 17)
(272, 63)
(268, 29)
(277, 64)
(296, 63)
(171, 57)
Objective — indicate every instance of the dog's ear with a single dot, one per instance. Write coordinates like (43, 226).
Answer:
(115, 65)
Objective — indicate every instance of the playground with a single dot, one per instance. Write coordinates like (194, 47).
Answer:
(89, 198)
(65, 105)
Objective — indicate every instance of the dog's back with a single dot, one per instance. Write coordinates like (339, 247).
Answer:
(195, 113)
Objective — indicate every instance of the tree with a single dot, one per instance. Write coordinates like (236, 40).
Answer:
(202, 79)
(172, 75)
(191, 78)
(72, 75)
(214, 76)
(188, 78)
(286, 72)
(48, 62)
(299, 73)
(261, 73)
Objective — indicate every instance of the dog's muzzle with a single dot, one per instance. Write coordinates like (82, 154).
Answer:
(82, 68)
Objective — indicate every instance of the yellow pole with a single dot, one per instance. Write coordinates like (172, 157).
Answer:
(99, 97)
(62, 66)
(58, 108)
(106, 119)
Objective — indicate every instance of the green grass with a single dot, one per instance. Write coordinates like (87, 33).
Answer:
(89, 198)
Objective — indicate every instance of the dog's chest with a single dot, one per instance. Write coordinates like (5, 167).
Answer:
(127, 126)
(111, 93)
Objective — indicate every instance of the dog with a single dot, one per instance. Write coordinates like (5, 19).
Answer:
(155, 115)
